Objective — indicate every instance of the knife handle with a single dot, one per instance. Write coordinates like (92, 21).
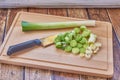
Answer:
(21, 46)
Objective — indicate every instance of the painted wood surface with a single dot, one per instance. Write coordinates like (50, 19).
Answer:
(60, 4)
(53, 75)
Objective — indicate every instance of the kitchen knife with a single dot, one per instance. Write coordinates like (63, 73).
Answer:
(31, 43)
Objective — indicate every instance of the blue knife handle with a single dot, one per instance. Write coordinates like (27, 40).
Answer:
(18, 47)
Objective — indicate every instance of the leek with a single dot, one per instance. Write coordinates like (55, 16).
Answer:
(27, 26)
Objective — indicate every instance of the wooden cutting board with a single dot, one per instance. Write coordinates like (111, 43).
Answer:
(51, 58)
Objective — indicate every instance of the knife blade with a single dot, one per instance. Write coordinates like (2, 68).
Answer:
(31, 43)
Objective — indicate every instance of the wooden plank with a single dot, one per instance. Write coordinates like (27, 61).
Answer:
(35, 73)
(98, 14)
(11, 15)
(58, 12)
(37, 10)
(62, 75)
(114, 15)
(116, 49)
(116, 58)
(78, 13)
(59, 4)
(83, 77)
(11, 72)
(3, 15)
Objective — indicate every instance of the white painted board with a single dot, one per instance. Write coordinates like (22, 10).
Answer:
(60, 3)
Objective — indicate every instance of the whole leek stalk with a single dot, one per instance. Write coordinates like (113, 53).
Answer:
(27, 26)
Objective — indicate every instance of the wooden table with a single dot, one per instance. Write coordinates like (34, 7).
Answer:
(12, 72)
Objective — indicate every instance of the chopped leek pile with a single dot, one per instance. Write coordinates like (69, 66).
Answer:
(80, 41)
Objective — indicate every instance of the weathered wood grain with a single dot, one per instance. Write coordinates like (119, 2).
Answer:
(114, 15)
(11, 16)
(93, 78)
(77, 13)
(11, 72)
(64, 76)
(116, 58)
(37, 74)
(98, 14)
(115, 18)
(58, 12)
(3, 15)
(37, 10)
